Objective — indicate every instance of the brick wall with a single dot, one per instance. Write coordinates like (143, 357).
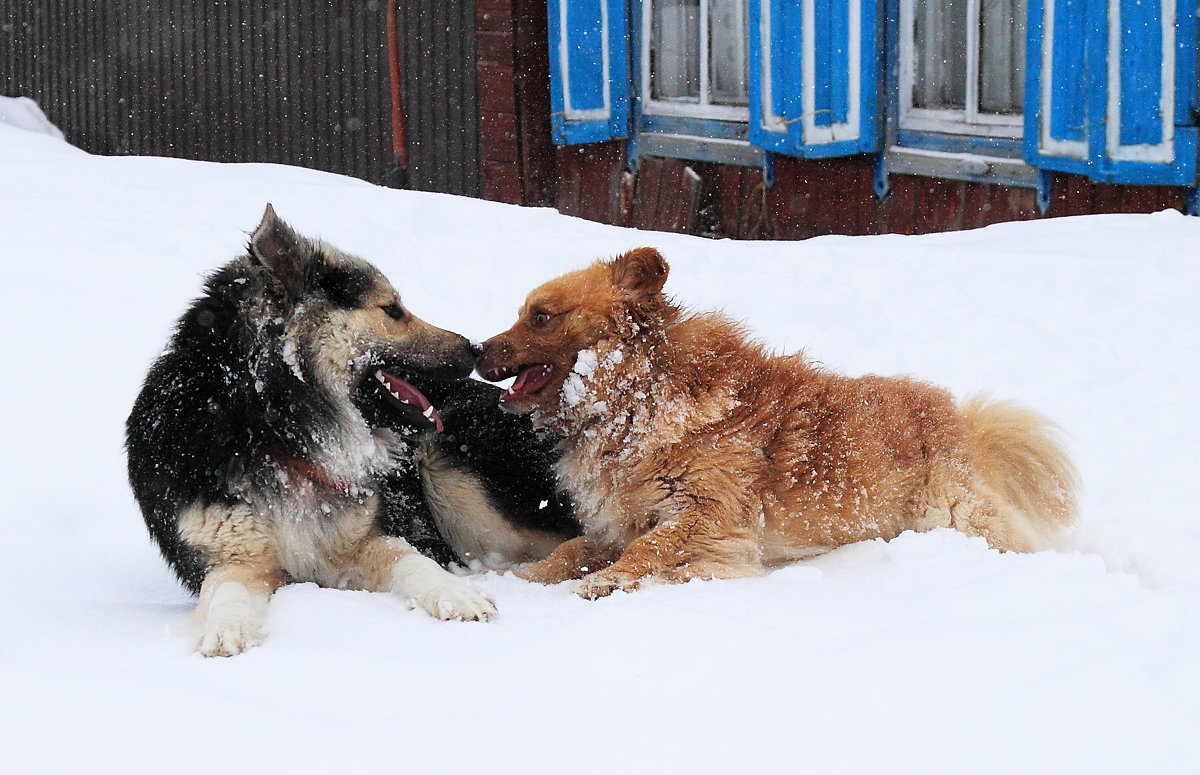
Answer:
(514, 101)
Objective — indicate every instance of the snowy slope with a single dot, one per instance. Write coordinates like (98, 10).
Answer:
(24, 113)
(928, 654)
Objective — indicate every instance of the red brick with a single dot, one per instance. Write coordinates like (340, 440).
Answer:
(502, 182)
(497, 93)
(494, 17)
(494, 48)
(498, 137)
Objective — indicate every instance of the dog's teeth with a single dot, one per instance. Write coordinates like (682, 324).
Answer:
(428, 413)
(404, 401)
(379, 376)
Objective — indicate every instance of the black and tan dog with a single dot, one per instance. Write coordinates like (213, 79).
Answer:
(303, 425)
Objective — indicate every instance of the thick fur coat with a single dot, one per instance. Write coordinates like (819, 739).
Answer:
(692, 452)
(283, 434)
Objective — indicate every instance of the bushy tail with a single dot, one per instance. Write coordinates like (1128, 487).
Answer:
(1022, 458)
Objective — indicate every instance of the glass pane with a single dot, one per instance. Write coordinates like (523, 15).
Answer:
(675, 50)
(940, 54)
(727, 50)
(1002, 56)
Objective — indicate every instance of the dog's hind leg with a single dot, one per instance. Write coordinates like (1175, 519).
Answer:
(472, 524)
(390, 564)
(956, 497)
(233, 606)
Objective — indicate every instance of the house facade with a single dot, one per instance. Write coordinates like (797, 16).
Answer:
(790, 118)
(734, 118)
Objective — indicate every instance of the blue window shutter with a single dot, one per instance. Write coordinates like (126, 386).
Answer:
(1111, 89)
(814, 76)
(1145, 52)
(1056, 86)
(589, 70)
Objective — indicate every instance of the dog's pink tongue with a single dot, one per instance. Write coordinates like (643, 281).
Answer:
(407, 394)
(524, 377)
(530, 380)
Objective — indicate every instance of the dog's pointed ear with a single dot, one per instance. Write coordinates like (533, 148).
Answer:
(276, 247)
(641, 273)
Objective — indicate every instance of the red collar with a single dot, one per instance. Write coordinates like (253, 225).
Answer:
(305, 469)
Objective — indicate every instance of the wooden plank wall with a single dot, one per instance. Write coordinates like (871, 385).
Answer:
(589, 182)
(666, 196)
(223, 80)
(814, 197)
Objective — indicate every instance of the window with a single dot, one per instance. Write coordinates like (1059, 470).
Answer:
(959, 91)
(962, 66)
(692, 78)
(930, 87)
(694, 58)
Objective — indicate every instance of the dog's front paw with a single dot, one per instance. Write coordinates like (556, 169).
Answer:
(604, 583)
(440, 593)
(454, 598)
(233, 621)
(229, 639)
(549, 572)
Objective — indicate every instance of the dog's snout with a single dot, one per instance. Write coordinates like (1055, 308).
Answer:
(468, 354)
(492, 355)
(476, 348)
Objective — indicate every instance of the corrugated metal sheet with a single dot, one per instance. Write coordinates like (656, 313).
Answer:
(441, 107)
(302, 83)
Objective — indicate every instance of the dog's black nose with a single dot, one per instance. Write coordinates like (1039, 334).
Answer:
(476, 349)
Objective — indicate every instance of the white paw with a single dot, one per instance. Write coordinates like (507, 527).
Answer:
(233, 623)
(440, 593)
(464, 603)
(228, 639)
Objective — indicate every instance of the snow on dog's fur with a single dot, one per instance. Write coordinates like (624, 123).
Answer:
(691, 452)
(250, 455)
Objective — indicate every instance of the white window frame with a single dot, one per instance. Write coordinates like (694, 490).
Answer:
(969, 121)
(680, 108)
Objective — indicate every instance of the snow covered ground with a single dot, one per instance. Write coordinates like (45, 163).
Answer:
(928, 654)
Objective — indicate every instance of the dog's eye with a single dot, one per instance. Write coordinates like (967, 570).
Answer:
(394, 311)
(541, 318)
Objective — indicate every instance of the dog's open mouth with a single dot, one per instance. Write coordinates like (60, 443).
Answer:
(529, 379)
(410, 401)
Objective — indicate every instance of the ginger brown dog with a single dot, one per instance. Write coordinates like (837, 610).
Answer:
(692, 452)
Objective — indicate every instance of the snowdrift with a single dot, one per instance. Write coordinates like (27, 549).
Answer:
(927, 654)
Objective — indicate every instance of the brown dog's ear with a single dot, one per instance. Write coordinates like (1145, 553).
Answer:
(276, 246)
(641, 273)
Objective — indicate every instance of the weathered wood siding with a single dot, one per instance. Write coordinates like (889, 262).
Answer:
(813, 198)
